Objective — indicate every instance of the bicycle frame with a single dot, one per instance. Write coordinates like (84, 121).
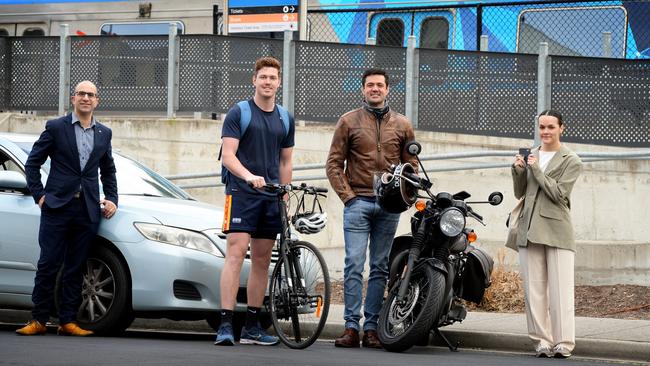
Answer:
(292, 271)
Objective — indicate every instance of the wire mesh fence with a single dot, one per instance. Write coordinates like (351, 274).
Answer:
(32, 73)
(610, 28)
(130, 72)
(605, 100)
(216, 72)
(477, 93)
(328, 78)
(5, 82)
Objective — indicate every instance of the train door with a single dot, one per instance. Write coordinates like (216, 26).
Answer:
(432, 29)
(23, 29)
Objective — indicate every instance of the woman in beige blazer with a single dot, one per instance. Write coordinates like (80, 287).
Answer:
(544, 238)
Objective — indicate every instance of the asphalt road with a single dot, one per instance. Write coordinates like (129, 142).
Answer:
(179, 348)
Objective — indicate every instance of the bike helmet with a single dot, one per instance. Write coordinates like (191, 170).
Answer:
(394, 194)
(310, 223)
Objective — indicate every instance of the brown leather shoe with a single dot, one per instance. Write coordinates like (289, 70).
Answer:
(370, 339)
(72, 329)
(349, 339)
(33, 327)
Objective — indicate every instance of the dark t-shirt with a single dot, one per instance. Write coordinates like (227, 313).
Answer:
(259, 147)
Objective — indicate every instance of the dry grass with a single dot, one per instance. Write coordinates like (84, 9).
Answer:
(506, 294)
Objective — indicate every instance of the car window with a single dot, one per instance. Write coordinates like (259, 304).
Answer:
(6, 163)
(134, 178)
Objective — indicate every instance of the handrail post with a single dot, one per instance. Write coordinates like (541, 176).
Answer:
(64, 68)
(172, 71)
(412, 65)
(543, 86)
(288, 71)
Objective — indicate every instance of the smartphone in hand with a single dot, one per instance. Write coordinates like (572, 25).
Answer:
(524, 151)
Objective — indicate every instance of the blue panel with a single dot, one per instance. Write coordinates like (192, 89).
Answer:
(500, 24)
(358, 31)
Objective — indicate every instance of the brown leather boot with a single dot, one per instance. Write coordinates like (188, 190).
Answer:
(370, 339)
(349, 339)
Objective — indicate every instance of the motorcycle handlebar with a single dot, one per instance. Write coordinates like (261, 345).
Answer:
(474, 214)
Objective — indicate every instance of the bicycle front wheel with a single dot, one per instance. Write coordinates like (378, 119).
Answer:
(299, 307)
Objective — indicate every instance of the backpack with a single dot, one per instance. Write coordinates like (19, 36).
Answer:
(244, 121)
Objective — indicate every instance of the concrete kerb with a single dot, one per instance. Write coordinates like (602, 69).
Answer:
(509, 342)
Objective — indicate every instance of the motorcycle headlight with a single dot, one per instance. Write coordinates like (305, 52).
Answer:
(179, 237)
(452, 222)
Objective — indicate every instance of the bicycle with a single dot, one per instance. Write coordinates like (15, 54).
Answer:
(299, 289)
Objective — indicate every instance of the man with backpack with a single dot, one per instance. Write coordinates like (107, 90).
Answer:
(257, 147)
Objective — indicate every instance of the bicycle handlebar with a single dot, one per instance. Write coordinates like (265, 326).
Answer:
(285, 188)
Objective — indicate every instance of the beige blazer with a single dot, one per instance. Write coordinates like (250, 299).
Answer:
(545, 217)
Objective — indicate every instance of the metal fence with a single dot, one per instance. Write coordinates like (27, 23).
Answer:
(477, 93)
(571, 28)
(328, 78)
(215, 72)
(605, 101)
(31, 68)
(131, 71)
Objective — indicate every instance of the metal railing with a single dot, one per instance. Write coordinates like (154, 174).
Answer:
(587, 157)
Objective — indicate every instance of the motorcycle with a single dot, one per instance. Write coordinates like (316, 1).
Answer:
(432, 269)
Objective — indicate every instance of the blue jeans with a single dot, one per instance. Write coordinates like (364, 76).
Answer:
(364, 222)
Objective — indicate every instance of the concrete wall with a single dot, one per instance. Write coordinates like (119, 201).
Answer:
(610, 202)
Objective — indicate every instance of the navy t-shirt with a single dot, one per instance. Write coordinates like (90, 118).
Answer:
(259, 147)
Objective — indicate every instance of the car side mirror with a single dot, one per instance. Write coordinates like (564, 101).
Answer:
(495, 198)
(11, 181)
(413, 148)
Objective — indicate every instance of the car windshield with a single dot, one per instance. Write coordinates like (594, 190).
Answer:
(133, 178)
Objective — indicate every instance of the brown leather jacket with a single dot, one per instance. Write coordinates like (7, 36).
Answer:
(369, 147)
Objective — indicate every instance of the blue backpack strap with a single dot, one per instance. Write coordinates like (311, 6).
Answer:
(244, 121)
(244, 116)
(284, 116)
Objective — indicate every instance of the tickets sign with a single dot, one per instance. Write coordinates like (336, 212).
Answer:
(262, 16)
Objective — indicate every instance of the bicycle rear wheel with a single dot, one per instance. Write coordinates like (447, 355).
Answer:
(299, 312)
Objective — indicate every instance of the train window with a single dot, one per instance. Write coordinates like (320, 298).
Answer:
(4, 32)
(390, 32)
(140, 28)
(33, 31)
(434, 33)
(558, 27)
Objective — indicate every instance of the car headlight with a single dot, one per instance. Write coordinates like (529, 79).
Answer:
(179, 237)
(452, 222)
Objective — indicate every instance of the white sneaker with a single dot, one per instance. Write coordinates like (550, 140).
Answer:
(561, 352)
(543, 352)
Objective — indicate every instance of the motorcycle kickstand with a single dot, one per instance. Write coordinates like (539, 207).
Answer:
(447, 342)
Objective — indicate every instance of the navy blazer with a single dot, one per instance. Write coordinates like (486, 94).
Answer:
(58, 142)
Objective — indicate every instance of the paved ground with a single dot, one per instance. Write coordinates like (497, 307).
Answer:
(596, 338)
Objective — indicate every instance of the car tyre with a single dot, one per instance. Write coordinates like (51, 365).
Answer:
(106, 293)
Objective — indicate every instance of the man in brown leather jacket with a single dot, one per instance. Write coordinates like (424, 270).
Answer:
(366, 142)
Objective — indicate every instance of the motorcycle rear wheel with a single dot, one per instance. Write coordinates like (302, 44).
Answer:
(404, 324)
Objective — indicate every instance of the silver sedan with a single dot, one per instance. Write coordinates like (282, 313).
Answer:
(161, 255)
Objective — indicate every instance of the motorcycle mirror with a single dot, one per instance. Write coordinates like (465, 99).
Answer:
(413, 148)
(495, 198)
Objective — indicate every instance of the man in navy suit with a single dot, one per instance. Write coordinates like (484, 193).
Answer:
(78, 147)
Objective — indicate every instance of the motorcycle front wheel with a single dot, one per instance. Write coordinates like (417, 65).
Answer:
(403, 324)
